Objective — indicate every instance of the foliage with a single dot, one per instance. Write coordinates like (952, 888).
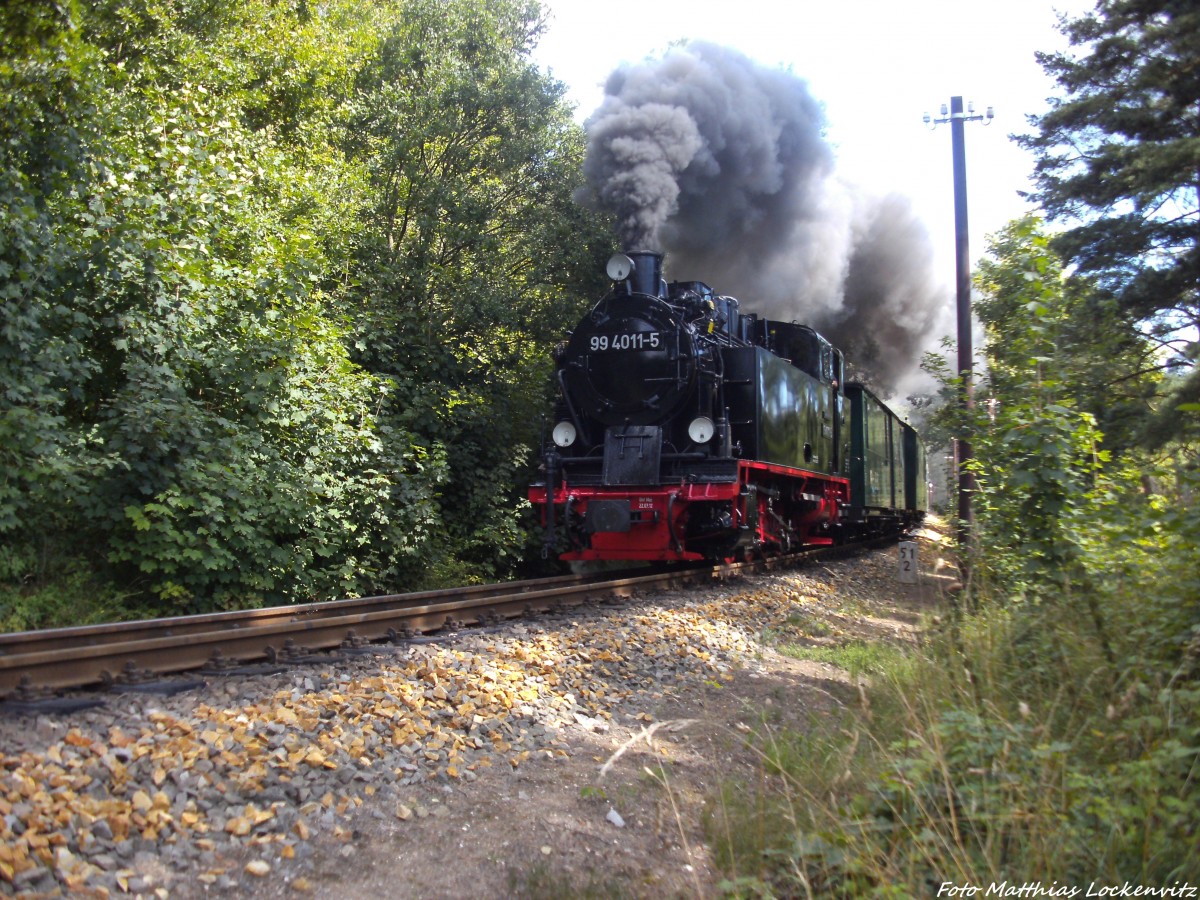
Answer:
(233, 424)
(1035, 444)
(1049, 729)
(1008, 746)
(76, 596)
(1118, 158)
(1072, 336)
(230, 378)
(473, 159)
(47, 109)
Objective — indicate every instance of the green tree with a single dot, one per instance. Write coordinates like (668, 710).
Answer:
(50, 102)
(1036, 446)
(1064, 329)
(279, 284)
(179, 396)
(474, 258)
(1119, 162)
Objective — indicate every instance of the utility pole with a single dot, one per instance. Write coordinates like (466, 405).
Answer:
(957, 118)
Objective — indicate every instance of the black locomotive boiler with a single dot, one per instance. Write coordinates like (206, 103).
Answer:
(686, 429)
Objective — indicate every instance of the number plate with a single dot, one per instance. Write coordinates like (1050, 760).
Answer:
(632, 340)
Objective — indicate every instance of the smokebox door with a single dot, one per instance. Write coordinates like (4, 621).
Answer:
(632, 454)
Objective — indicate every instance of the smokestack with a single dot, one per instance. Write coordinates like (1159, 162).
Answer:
(647, 272)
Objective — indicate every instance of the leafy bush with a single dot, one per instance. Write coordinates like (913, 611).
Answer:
(252, 352)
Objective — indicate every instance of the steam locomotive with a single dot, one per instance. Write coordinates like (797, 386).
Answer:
(686, 429)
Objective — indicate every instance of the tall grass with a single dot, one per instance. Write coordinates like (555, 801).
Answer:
(1050, 742)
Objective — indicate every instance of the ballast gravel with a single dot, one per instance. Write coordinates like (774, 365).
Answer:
(227, 786)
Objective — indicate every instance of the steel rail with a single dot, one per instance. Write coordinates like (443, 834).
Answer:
(127, 652)
(86, 636)
(80, 657)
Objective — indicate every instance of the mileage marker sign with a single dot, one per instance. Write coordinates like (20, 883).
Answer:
(907, 570)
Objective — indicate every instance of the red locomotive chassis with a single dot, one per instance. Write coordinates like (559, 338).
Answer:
(766, 507)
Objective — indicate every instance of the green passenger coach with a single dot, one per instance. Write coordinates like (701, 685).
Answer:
(887, 465)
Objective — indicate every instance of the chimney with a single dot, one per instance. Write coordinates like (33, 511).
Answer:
(647, 273)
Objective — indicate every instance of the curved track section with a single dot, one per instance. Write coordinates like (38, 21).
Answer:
(131, 653)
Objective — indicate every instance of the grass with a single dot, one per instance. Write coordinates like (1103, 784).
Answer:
(858, 658)
(1040, 732)
(1005, 748)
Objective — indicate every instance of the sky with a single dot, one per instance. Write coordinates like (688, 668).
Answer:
(876, 67)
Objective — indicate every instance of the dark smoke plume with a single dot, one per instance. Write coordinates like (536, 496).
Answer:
(721, 163)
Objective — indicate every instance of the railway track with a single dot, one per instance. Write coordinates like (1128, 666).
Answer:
(135, 655)
(129, 654)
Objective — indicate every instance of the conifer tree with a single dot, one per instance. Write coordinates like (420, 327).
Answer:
(1118, 162)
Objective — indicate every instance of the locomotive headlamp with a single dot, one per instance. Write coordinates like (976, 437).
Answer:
(619, 267)
(563, 434)
(701, 430)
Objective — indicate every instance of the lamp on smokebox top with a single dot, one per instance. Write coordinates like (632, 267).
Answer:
(956, 117)
(619, 267)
